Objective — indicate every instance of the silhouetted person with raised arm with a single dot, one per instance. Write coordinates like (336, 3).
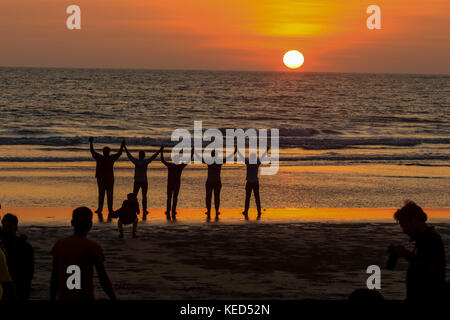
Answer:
(104, 173)
(252, 184)
(77, 250)
(140, 176)
(214, 184)
(425, 278)
(20, 257)
(173, 183)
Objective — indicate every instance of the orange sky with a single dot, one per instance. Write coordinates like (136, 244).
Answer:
(228, 35)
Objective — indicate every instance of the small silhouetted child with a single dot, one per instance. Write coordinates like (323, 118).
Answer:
(127, 214)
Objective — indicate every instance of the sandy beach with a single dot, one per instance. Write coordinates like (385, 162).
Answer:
(289, 254)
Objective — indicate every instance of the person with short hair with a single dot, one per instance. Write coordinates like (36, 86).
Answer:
(104, 173)
(427, 267)
(140, 176)
(20, 256)
(77, 250)
(174, 172)
(213, 183)
(252, 185)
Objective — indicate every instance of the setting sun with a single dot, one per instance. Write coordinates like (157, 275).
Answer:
(293, 59)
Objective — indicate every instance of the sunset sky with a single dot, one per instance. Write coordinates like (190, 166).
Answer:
(228, 35)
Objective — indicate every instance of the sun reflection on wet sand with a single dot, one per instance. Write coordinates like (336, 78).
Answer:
(61, 216)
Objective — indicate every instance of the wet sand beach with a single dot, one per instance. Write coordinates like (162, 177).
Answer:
(289, 254)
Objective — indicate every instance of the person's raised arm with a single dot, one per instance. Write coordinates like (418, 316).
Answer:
(153, 157)
(231, 156)
(162, 157)
(241, 156)
(118, 154)
(95, 154)
(263, 156)
(132, 159)
(105, 282)
(195, 153)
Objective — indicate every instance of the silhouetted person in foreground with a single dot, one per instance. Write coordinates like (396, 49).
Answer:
(140, 176)
(77, 250)
(426, 271)
(214, 184)
(127, 214)
(7, 291)
(173, 184)
(105, 175)
(252, 184)
(20, 257)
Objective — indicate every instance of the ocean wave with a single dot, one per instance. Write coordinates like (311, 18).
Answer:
(305, 139)
(282, 158)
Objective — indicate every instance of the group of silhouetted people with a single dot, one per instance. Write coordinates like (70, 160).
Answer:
(105, 181)
(17, 262)
(426, 275)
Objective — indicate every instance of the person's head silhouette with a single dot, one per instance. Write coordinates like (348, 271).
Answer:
(10, 223)
(82, 220)
(141, 154)
(106, 151)
(411, 218)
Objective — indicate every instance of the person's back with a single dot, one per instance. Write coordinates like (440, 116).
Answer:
(140, 169)
(128, 212)
(20, 257)
(426, 273)
(214, 171)
(425, 278)
(174, 173)
(252, 172)
(20, 265)
(105, 167)
(82, 252)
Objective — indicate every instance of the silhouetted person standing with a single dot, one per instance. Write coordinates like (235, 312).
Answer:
(174, 172)
(140, 176)
(252, 184)
(426, 271)
(20, 257)
(214, 185)
(77, 250)
(104, 173)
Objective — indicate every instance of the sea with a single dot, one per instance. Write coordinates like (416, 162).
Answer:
(346, 140)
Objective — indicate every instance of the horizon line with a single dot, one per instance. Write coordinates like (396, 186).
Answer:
(223, 70)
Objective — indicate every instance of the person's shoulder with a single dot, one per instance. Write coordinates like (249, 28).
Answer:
(93, 244)
(58, 244)
(23, 242)
(435, 234)
(432, 236)
(94, 249)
